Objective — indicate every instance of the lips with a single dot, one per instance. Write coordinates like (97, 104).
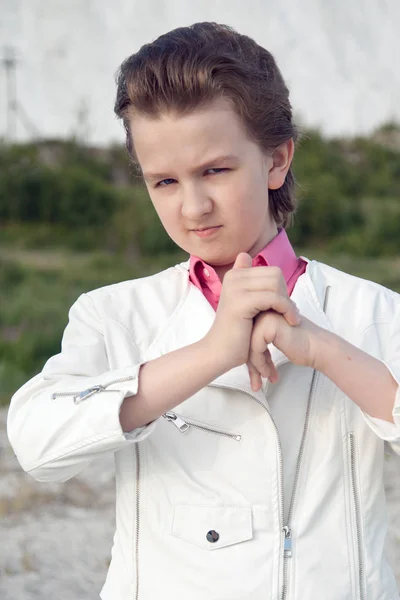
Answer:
(206, 228)
(206, 231)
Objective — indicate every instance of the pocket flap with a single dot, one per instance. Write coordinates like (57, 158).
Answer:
(211, 527)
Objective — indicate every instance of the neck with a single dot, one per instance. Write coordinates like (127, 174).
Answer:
(221, 270)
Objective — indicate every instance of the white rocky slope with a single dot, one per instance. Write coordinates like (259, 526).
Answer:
(339, 57)
(56, 538)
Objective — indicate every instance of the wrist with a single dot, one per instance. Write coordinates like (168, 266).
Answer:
(215, 354)
(324, 346)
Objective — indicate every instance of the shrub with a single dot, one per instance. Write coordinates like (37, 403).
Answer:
(69, 194)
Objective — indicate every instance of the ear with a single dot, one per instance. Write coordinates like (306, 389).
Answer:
(280, 164)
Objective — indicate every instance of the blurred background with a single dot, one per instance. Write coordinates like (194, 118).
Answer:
(73, 216)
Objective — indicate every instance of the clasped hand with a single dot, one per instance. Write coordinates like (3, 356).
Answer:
(255, 311)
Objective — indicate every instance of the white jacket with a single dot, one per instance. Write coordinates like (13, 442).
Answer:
(205, 508)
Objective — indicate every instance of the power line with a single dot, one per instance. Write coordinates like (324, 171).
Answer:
(9, 62)
(30, 128)
(14, 110)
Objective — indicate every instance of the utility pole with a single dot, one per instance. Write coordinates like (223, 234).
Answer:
(9, 62)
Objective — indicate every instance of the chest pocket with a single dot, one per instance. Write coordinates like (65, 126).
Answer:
(211, 528)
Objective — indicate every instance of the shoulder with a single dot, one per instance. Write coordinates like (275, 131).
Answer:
(364, 301)
(156, 296)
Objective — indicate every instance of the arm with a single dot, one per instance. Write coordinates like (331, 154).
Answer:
(363, 378)
(169, 380)
(72, 412)
(77, 410)
(373, 383)
(371, 376)
(55, 424)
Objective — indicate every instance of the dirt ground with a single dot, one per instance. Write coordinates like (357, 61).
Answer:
(56, 538)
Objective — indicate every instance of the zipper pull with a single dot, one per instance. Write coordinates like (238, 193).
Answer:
(287, 546)
(177, 421)
(87, 393)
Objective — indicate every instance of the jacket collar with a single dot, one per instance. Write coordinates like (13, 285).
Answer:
(196, 316)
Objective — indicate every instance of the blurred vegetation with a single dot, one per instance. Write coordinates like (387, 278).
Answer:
(73, 218)
(349, 193)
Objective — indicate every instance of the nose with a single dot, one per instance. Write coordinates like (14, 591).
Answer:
(195, 203)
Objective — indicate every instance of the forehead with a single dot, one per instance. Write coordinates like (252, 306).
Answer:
(162, 141)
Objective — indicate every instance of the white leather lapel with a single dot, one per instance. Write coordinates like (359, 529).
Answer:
(190, 325)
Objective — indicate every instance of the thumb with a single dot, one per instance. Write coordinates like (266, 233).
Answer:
(242, 261)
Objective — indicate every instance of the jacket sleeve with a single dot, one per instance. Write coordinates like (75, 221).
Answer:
(385, 335)
(68, 415)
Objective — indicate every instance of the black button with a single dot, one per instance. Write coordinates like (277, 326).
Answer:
(212, 536)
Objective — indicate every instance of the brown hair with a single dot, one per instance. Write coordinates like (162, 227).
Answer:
(188, 67)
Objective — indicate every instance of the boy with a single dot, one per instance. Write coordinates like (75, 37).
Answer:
(246, 393)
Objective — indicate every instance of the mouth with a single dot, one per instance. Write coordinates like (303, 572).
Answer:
(206, 231)
(206, 228)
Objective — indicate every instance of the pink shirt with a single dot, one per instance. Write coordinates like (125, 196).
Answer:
(278, 253)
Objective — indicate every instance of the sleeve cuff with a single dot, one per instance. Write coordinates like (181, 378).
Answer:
(141, 433)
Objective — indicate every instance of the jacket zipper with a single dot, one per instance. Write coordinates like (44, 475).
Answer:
(357, 510)
(85, 394)
(137, 518)
(287, 528)
(184, 424)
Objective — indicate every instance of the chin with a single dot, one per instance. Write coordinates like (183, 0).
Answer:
(219, 261)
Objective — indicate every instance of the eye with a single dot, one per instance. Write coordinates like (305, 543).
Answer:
(216, 171)
(169, 181)
(165, 182)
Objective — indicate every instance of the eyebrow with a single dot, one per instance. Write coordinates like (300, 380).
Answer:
(223, 158)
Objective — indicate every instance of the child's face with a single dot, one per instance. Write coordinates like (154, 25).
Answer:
(196, 188)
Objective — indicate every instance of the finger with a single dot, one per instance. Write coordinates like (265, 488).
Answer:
(261, 300)
(243, 260)
(262, 276)
(270, 284)
(263, 364)
(255, 378)
(274, 376)
(272, 272)
(260, 355)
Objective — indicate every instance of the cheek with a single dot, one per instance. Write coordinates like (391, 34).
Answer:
(250, 195)
(251, 206)
(169, 217)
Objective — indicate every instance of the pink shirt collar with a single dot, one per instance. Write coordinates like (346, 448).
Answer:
(278, 253)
